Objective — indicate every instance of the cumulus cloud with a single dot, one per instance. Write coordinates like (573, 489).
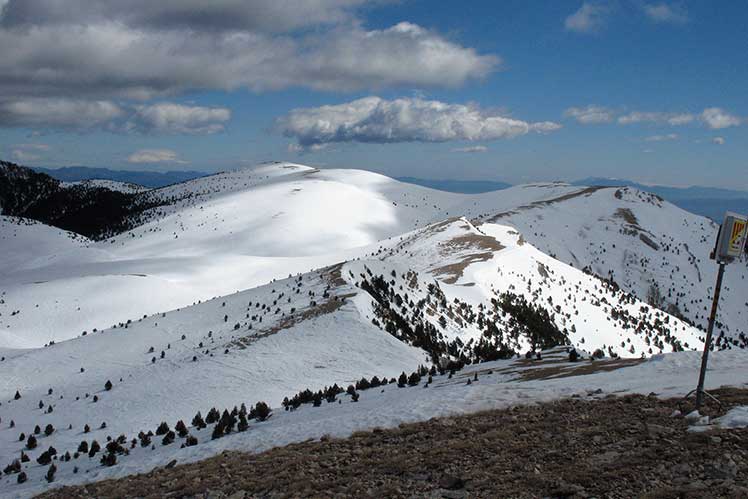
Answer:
(661, 138)
(143, 50)
(57, 113)
(375, 120)
(716, 118)
(673, 119)
(666, 13)
(81, 115)
(155, 156)
(471, 149)
(255, 15)
(720, 141)
(590, 18)
(171, 118)
(590, 114)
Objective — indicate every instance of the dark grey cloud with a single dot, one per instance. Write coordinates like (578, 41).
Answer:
(254, 15)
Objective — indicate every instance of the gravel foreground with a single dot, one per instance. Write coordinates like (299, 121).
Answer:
(617, 447)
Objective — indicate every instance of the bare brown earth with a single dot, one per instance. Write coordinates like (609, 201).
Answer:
(612, 447)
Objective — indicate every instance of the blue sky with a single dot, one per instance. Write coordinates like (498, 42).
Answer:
(516, 90)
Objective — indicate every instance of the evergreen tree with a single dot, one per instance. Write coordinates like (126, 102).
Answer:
(50, 476)
(108, 385)
(181, 429)
(263, 411)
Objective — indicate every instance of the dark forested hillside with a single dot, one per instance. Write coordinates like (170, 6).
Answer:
(95, 212)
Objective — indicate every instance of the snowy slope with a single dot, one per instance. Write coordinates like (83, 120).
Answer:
(501, 384)
(225, 233)
(651, 248)
(25, 243)
(236, 230)
(305, 331)
(406, 277)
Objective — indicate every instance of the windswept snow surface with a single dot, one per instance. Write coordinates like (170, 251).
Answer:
(500, 385)
(221, 234)
(309, 267)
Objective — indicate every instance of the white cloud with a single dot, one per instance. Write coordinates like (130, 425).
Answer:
(471, 149)
(155, 156)
(108, 60)
(57, 113)
(674, 119)
(666, 13)
(375, 120)
(33, 147)
(590, 18)
(661, 138)
(717, 118)
(22, 155)
(171, 118)
(545, 126)
(720, 141)
(159, 118)
(590, 114)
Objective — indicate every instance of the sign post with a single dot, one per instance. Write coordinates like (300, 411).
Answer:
(731, 241)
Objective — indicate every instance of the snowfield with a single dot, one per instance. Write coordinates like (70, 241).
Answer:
(499, 385)
(256, 284)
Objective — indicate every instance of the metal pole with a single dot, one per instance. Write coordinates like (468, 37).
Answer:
(708, 342)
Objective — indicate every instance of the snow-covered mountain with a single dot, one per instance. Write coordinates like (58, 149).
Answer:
(256, 284)
(649, 247)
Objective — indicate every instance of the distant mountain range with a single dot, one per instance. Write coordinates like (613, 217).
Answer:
(144, 178)
(710, 202)
(460, 186)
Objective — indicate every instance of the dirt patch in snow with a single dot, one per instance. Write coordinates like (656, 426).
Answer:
(612, 447)
(485, 246)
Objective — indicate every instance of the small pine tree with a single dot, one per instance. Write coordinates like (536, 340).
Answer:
(17, 395)
(414, 379)
(37, 430)
(168, 438)
(198, 421)
(162, 429)
(31, 442)
(243, 424)
(181, 429)
(95, 448)
(402, 380)
(217, 431)
(22, 477)
(108, 385)
(83, 447)
(50, 476)
(190, 441)
(49, 429)
(263, 411)
(213, 416)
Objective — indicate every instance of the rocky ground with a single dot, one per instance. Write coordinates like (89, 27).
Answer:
(618, 447)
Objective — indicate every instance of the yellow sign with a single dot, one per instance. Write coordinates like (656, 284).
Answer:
(737, 237)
